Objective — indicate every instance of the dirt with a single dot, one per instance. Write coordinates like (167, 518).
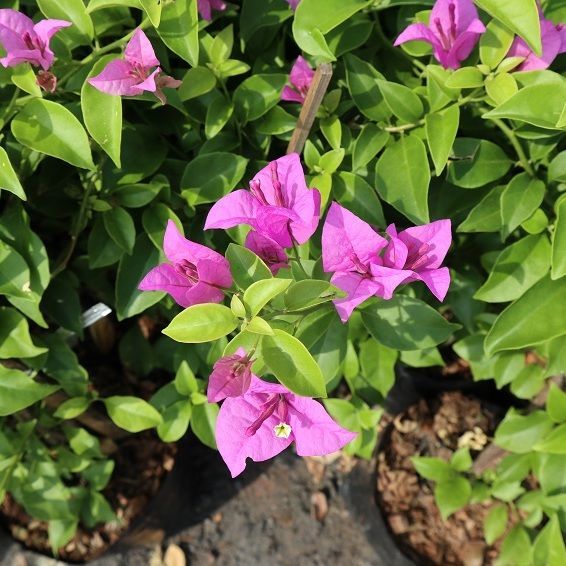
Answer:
(434, 428)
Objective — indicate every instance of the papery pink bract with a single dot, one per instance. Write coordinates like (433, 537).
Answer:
(267, 419)
(453, 31)
(301, 77)
(553, 37)
(26, 42)
(231, 376)
(268, 250)
(420, 250)
(278, 205)
(293, 4)
(205, 7)
(133, 74)
(196, 274)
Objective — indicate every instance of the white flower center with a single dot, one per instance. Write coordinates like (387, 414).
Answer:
(282, 430)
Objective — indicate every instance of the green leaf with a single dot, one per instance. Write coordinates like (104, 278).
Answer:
(403, 176)
(331, 128)
(495, 523)
(402, 101)
(196, 82)
(537, 104)
(185, 381)
(518, 433)
(203, 423)
(199, 186)
(258, 325)
(14, 273)
(120, 227)
(153, 10)
(24, 77)
(501, 87)
(246, 267)
(549, 549)
(486, 215)
(154, 222)
(15, 340)
(308, 293)
(452, 495)
(519, 200)
(331, 160)
(362, 83)
(476, 163)
(368, 144)
(378, 365)
(495, 43)
(18, 391)
(293, 365)
(175, 421)
(315, 18)
(404, 323)
(102, 114)
(132, 414)
(50, 128)
(60, 532)
(257, 95)
(260, 293)
(556, 404)
(217, 116)
(422, 358)
(554, 442)
(129, 299)
(82, 30)
(276, 122)
(8, 179)
(353, 192)
(461, 461)
(434, 469)
(557, 168)
(178, 29)
(520, 16)
(441, 128)
(537, 316)
(201, 323)
(517, 268)
(516, 549)
(72, 408)
(559, 241)
(466, 77)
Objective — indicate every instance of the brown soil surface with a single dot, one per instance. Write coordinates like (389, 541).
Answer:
(433, 428)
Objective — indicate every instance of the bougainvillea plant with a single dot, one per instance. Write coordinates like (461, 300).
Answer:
(144, 165)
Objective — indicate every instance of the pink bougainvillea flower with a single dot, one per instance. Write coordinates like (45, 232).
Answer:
(231, 376)
(350, 249)
(420, 250)
(133, 74)
(26, 42)
(267, 419)
(300, 78)
(553, 38)
(195, 274)
(268, 250)
(278, 205)
(205, 7)
(293, 4)
(453, 31)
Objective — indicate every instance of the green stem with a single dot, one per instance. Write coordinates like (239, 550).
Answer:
(510, 134)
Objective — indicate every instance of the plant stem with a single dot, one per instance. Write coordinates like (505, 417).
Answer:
(510, 134)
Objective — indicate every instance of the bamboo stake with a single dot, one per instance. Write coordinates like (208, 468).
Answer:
(312, 102)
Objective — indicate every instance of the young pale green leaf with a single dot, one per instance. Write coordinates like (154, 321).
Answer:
(549, 549)
(434, 469)
(452, 495)
(24, 78)
(537, 104)
(258, 325)
(175, 423)
(353, 192)
(120, 227)
(439, 94)
(102, 114)
(201, 323)
(293, 365)
(495, 43)
(331, 160)
(331, 129)
(517, 268)
(72, 408)
(554, 442)
(461, 460)
(404, 323)
(556, 404)
(237, 307)
(559, 241)
(153, 10)
(18, 391)
(486, 215)
(199, 186)
(203, 423)
(257, 95)
(501, 87)
(185, 381)
(520, 16)
(74, 11)
(131, 413)
(48, 127)
(519, 200)
(476, 163)
(8, 179)
(537, 316)
(495, 523)
(466, 77)
(518, 433)
(196, 82)
(368, 144)
(246, 267)
(441, 128)
(401, 100)
(129, 299)
(178, 29)
(15, 339)
(403, 177)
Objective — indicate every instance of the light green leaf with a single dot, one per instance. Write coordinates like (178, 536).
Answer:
(196, 82)
(178, 29)
(401, 100)
(434, 469)
(518, 433)
(258, 94)
(378, 365)
(495, 44)
(132, 414)
(556, 404)
(260, 293)
(72, 408)
(24, 78)
(368, 144)
(559, 241)
(466, 77)
(495, 523)
(120, 227)
(15, 340)
(549, 549)
(452, 495)
(353, 192)
(18, 391)
(203, 423)
(175, 423)
(246, 267)
(486, 215)
(153, 10)
(441, 128)
(554, 442)
(82, 30)
(516, 549)
(8, 179)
